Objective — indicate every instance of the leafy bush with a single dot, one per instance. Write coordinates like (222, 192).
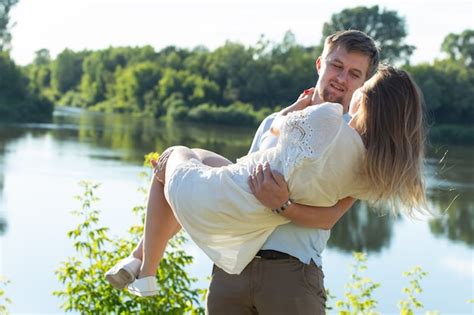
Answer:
(86, 290)
(238, 113)
(406, 306)
(359, 292)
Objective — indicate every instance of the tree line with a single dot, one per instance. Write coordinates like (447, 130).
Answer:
(233, 84)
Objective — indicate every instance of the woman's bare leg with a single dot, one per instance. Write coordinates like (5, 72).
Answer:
(160, 226)
(160, 223)
(207, 157)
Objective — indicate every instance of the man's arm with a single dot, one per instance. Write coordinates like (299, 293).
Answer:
(270, 188)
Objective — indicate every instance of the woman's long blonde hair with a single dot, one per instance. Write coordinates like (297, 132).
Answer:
(390, 121)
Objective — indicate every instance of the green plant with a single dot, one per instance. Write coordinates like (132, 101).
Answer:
(86, 290)
(359, 291)
(412, 303)
(4, 301)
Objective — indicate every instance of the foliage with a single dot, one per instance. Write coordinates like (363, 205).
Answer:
(234, 83)
(236, 114)
(448, 89)
(17, 103)
(4, 301)
(86, 290)
(66, 70)
(358, 294)
(386, 27)
(5, 25)
(460, 47)
(414, 276)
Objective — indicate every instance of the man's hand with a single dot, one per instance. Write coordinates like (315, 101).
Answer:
(269, 187)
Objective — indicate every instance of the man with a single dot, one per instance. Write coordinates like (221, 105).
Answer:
(286, 276)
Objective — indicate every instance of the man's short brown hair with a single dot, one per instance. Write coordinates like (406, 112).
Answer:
(354, 41)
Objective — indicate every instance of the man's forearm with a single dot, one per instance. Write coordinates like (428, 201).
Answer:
(318, 217)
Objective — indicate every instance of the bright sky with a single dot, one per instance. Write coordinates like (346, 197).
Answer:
(97, 24)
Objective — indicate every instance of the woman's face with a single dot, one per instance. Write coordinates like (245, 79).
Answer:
(355, 102)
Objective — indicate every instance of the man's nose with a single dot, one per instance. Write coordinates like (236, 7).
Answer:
(342, 75)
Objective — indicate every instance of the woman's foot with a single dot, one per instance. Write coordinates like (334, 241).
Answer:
(144, 286)
(124, 272)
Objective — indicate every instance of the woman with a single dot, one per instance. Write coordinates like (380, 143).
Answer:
(377, 157)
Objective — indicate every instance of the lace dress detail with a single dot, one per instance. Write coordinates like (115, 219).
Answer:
(306, 134)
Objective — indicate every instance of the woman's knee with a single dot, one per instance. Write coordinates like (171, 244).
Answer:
(211, 158)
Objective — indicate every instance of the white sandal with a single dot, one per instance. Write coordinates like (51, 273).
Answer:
(145, 286)
(124, 272)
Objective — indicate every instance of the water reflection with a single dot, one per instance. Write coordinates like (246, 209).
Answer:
(452, 195)
(6, 135)
(362, 229)
(132, 137)
(457, 222)
(3, 224)
(128, 138)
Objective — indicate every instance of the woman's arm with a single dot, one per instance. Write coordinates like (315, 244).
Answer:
(304, 100)
(270, 188)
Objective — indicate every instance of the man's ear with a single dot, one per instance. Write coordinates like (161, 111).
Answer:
(318, 64)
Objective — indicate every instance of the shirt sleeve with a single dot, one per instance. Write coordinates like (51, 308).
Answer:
(261, 131)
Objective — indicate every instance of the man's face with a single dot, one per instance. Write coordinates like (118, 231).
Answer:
(340, 74)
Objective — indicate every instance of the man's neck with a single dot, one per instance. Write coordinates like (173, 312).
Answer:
(316, 100)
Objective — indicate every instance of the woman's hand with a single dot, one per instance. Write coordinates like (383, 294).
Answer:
(159, 167)
(303, 101)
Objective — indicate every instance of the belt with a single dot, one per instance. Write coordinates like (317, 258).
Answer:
(272, 254)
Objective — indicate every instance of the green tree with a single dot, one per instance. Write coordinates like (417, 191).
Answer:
(99, 71)
(192, 88)
(292, 70)
(460, 47)
(386, 27)
(11, 79)
(448, 89)
(134, 88)
(39, 74)
(5, 25)
(42, 57)
(66, 71)
(17, 103)
(227, 66)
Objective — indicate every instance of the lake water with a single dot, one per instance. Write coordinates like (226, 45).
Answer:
(41, 165)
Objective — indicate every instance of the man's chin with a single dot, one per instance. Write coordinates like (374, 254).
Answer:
(329, 97)
(334, 99)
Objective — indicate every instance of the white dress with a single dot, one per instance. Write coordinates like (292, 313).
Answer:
(320, 157)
